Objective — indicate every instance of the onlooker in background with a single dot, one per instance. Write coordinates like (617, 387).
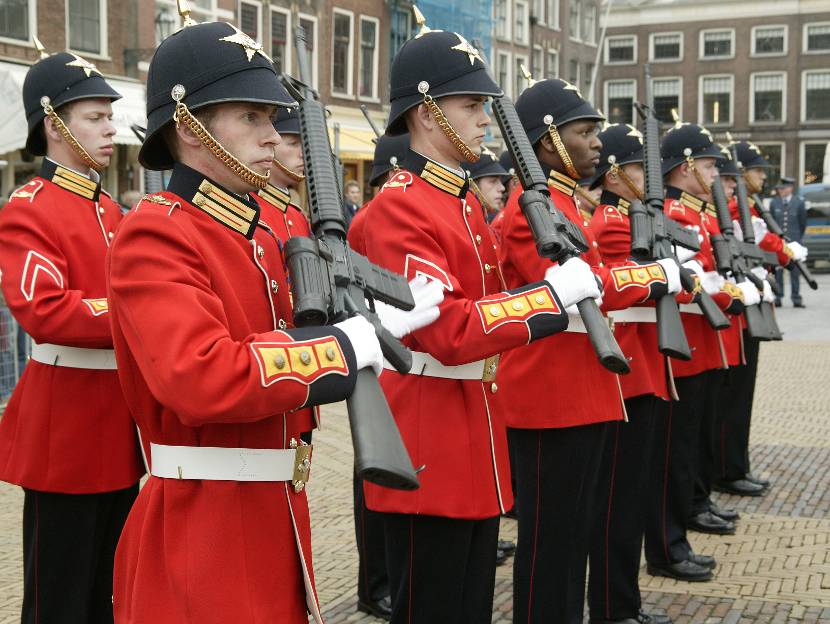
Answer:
(791, 213)
(129, 199)
(352, 201)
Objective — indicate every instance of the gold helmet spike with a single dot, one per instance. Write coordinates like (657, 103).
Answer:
(676, 118)
(421, 21)
(40, 48)
(184, 11)
(604, 123)
(729, 138)
(527, 75)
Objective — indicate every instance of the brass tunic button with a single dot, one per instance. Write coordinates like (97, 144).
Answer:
(518, 305)
(494, 388)
(290, 223)
(585, 224)
(495, 310)
(478, 239)
(330, 354)
(101, 210)
(469, 210)
(487, 268)
(110, 235)
(595, 245)
(274, 286)
(279, 362)
(305, 358)
(199, 201)
(540, 299)
(260, 251)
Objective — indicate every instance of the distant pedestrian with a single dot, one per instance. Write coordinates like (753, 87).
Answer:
(352, 201)
(790, 212)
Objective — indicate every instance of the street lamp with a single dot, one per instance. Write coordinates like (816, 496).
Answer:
(165, 24)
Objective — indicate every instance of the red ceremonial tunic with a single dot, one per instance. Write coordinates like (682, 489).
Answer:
(565, 370)
(707, 350)
(649, 374)
(770, 242)
(65, 429)
(422, 224)
(285, 220)
(357, 229)
(204, 361)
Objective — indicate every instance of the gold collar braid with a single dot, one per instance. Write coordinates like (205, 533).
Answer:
(293, 175)
(183, 115)
(561, 149)
(67, 135)
(443, 123)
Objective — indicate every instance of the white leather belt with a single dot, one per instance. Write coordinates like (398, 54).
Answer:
(211, 463)
(690, 308)
(74, 357)
(426, 365)
(634, 315)
(575, 324)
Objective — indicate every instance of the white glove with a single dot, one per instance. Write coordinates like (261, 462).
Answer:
(427, 293)
(799, 251)
(672, 272)
(712, 282)
(573, 281)
(736, 228)
(361, 334)
(750, 293)
(683, 254)
(759, 272)
(695, 267)
(768, 296)
(759, 228)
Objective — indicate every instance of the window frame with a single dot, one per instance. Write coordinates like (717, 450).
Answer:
(289, 29)
(701, 49)
(349, 92)
(804, 38)
(31, 7)
(783, 146)
(578, 5)
(555, 53)
(607, 51)
(607, 108)
(258, 7)
(752, 119)
(508, 58)
(700, 106)
(508, 22)
(374, 98)
(522, 38)
(679, 95)
(538, 72)
(553, 23)
(802, 154)
(103, 53)
(592, 40)
(804, 74)
(315, 41)
(679, 59)
(541, 18)
(517, 58)
(752, 41)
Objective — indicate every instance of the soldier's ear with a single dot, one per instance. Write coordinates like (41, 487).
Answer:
(547, 143)
(185, 136)
(421, 118)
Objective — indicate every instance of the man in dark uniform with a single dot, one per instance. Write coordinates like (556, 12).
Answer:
(790, 212)
(66, 436)
(486, 177)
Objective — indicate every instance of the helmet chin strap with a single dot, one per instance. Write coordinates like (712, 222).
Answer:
(690, 161)
(619, 172)
(564, 156)
(750, 185)
(465, 150)
(67, 135)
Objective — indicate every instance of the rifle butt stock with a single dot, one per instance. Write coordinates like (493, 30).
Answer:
(671, 337)
(769, 315)
(714, 315)
(756, 323)
(602, 340)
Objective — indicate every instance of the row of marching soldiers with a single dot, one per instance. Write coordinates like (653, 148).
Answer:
(166, 340)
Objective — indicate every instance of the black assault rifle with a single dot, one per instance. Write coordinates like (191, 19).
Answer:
(331, 282)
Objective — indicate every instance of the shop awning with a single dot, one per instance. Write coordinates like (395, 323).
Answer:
(355, 143)
(126, 111)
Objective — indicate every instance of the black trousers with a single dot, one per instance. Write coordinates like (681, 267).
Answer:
(674, 466)
(732, 448)
(556, 478)
(713, 413)
(441, 569)
(619, 523)
(69, 545)
(372, 580)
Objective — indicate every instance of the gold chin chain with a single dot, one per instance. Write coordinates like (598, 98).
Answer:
(618, 171)
(297, 177)
(443, 123)
(67, 135)
(698, 176)
(562, 151)
(183, 115)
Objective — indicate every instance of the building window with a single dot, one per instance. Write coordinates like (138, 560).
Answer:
(85, 25)
(170, 21)
(666, 92)
(521, 83)
(589, 24)
(769, 40)
(553, 64)
(817, 37)
(575, 12)
(666, 47)
(553, 13)
(774, 153)
(280, 31)
(249, 20)
(716, 43)
(341, 52)
(503, 71)
(538, 69)
(522, 25)
(716, 96)
(817, 95)
(14, 19)
(401, 25)
(573, 72)
(502, 12)
(619, 100)
(767, 99)
(309, 25)
(812, 161)
(537, 11)
(587, 75)
(621, 50)
(368, 58)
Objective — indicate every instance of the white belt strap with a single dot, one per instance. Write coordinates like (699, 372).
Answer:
(690, 308)
(210, 463)
(575, 324)
(74, 357)
(634, 315)
(426, 365)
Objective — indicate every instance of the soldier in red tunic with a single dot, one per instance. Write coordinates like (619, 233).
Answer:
(211, 368)
(66, 436)
(559, 401)
(441, 539)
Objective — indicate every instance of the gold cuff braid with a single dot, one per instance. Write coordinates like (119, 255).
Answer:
(67, 135)
(443, 123)
(563, 152)
(183, 115)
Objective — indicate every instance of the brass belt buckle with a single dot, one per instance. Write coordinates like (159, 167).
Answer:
(491, 366)
(302, 464)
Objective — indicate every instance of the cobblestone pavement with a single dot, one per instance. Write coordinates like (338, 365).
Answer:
(776, 569)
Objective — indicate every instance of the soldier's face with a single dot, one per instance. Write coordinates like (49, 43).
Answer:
(708, 169)
(467, 115)
(290, 153)
(91, 123)
(583, 145)
(615, 184)
(493, 190)
(246, 130)
(756, 178)
(729, 183)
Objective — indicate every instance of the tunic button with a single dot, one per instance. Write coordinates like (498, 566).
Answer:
(305, 358)
(282, 324)
(110, 235)
(595, 245)
(469, 210)
(279, 362)
(478, 239)
(487, 268)
(274, 286)
(585, 223)
(101, 210)
(330, 354)
(540, 299)
(260, 251)
(290, 223)
(518, 305)
(493, 387)
(495, 310)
